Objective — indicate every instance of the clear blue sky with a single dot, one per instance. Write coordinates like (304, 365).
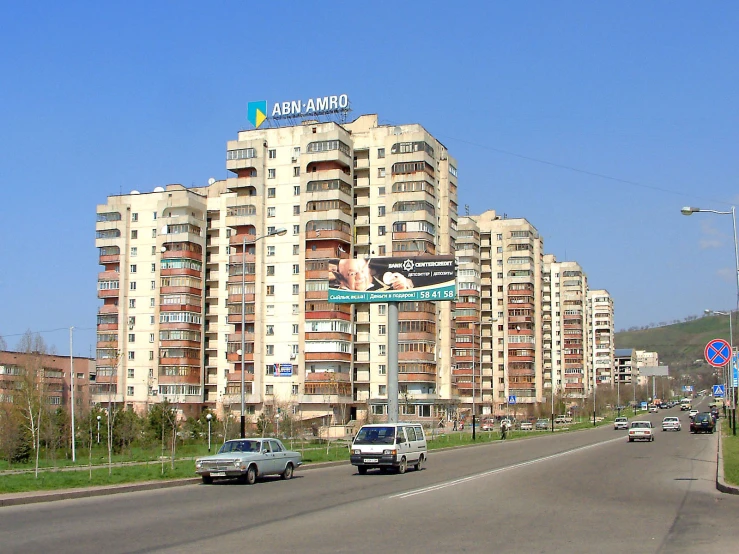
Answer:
(98, 99)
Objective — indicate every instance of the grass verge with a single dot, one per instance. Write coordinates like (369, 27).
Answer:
(730, 450)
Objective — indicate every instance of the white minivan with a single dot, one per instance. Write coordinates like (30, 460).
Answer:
(389, 445)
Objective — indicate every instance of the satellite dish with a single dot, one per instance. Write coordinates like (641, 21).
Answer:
(398, 131)
(211, 181)
(159, 189)
(135, 192)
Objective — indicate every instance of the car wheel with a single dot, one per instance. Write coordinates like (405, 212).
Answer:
(362, 470)
(207, 480)
(288, 473)
(419, 464)
(402, 466)
(652, 439)
(631, 440)
(251, 475)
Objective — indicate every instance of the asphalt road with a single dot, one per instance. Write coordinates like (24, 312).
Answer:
(588, 491)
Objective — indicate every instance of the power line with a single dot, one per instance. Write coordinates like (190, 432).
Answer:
(48, 331)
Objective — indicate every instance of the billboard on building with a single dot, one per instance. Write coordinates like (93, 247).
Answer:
(356, 280)
(283, 370)
(654, 371)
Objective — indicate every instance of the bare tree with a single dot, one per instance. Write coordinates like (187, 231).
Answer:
(3, 344)
(32, 394)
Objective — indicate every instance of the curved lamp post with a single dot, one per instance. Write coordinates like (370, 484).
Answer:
(689, 210)
(275, 232)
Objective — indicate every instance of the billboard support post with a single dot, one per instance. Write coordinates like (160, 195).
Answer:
(392, 370)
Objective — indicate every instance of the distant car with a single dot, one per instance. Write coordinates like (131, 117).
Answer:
(641, 430)
(527, 426)
(620, 423)
(541, 424)
(486, 425)
(247, 459)
(671, 423)
(692, 414)
(702, 423)
(652, 409)
(684, 407)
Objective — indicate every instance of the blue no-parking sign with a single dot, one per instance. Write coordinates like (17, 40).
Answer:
(718, 352)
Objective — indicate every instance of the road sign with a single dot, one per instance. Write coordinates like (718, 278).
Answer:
(687, 388)
(718, 391)
(735, 376)
(718, 352)
(511, 399)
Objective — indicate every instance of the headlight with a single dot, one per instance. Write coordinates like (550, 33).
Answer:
(356, 451)
(237, 463)
(389, 452)
(198, 464)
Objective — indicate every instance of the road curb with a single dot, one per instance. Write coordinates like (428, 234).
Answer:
(721, 485)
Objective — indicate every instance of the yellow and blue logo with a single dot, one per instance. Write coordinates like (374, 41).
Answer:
(256, 112)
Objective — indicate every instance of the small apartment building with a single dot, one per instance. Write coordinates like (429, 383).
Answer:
(567, 308)
(624, 366)
(645, 358)
(499, 312)
(55, 372)
(601, 336)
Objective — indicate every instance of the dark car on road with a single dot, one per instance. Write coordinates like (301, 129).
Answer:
(702, 423)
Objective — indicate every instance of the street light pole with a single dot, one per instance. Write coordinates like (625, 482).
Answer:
(279, 232)
(209, 417)
(688, 210)
(98, 418)
(728, 369)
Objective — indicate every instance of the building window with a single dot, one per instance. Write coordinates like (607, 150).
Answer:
(382, 390)
(381, 191)
(151, 320)
(134, 217)
(296, 229)
(134, 234)
(152, 303)
(153, 267)
(295, 390)
(271, 174)
(129, 391)
(296, 249)
(133, 268)
(271, 211)
(270, 290)
(270, 350)
(382, 369)
(382, 330)
(271, 153)
(131, 356)
(270, 270)
(381, 349)
(151, 337)
(381, 250)
(296, 210)
(381, 211)
(381, 230)
(296, 269)
(270, 250)
(296, 190)
(131, 302)
(382, 309)
(130, 373)
(153, 285)
(131, 337)
(134, 251)
(380, 171)
(296, 172)
(296, 289)
(271, 192)
(270, 329)
(153, 250)
(296, 329)
(296, 309)
(269, 390)
(270, 309)
(133, 285)
(380, 152)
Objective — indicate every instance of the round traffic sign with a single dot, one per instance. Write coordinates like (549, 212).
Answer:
(718, 352)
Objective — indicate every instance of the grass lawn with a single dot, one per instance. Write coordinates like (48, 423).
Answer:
(730, 447)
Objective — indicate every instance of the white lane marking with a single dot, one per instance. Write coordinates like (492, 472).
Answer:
(432, 488)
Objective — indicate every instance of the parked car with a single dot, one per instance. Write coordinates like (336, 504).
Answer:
(702, 423)
(652, 409)
(671, 423)
(620, 423)
(641, 430)
(389, 445)
(527, 426)
(541, 424)
(486, 425)
(248, 459)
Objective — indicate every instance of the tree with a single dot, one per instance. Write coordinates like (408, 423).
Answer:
(32, 394)
(3, 344)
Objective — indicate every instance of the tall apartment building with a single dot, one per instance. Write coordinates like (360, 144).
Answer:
(499, 313)
(566, 308)
(601, 336)
(179, 265)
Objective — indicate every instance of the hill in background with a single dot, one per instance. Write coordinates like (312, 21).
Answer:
(680, 345)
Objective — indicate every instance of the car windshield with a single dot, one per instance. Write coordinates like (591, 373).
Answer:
(240, 446)
(640, 425)
(702, 417)
(620, 419)
(375, 435)
(670, 419)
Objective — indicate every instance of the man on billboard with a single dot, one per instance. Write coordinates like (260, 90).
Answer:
(358, 274)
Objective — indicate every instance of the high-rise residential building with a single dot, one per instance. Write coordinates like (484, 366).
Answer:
(567, 307)
(499, 314)
(200, 282)
(601, 336)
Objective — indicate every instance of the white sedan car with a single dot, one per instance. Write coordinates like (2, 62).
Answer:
(641, 430)
(621, 423)
(671, 423)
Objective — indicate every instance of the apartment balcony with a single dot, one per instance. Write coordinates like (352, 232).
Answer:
(417, 377)
(326, 234)
(319, 253)
(235, 338)
(234, 357)
(316, 295)
(329, 336)
(109, 293)
(327, 314)
(529, 359)
(327, 377)
(235, 376)
(180, 308)
(520, 319)
(179, 254)
(328, 357)
(416, 357)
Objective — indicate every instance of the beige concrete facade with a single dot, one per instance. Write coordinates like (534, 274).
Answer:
(601, 337)
(178, 264)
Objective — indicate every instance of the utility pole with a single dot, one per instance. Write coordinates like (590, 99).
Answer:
(71, 374)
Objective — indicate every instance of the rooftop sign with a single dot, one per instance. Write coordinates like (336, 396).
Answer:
(258, 112)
